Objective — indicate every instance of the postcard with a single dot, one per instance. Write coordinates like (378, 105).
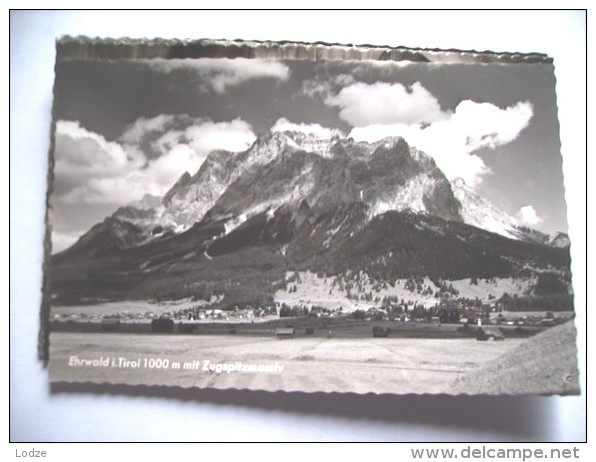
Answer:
(308, 217)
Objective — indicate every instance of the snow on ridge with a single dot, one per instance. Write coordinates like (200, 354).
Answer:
(410, 197)
(479, 212)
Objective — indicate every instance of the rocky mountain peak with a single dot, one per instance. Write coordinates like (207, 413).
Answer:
(323, 171)
(184, 180)
(271, 143)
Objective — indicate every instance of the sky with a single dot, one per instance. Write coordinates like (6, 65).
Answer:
(130, 127)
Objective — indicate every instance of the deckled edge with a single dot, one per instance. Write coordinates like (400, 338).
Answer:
(228, 395)
(82, 47)
(43, 336)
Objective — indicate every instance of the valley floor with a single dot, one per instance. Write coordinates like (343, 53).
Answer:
(377, 365)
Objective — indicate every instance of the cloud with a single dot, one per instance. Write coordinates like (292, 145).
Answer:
(138, 130)
(218, 74)
(383, 109)
(452, 142)
(80, 153)
(63, 240)
(323, 86)
(201, 136)
(144, 133)
(364, 104)
(118, 190)
(91, 170)
(529, 216)
(206, 136)
(486, 125)
(331, 76)
(284, 125)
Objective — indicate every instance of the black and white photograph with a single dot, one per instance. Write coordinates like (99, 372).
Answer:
(299, 217)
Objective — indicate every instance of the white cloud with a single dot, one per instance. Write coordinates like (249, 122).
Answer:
(284, 125)
(317, 88)
(134, 133)
(452, 142)
(162, 172)
(166, 141)
(332, 76)
(364, 104)
(63, 240)
(529, 216)
(486, 125)
(107, 190)
(236, 135)
(90, 169)
(376, 132)
(382, 109)
(80, 154)
(323, 86)
(220, 73)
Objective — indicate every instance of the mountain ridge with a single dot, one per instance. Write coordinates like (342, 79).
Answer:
(330, 206)
(293, 168)
(250, 262)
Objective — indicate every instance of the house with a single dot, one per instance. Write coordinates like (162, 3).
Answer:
(489, 333)
(284, 332)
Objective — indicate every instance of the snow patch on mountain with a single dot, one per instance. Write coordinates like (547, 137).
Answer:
(479, 212)
(233, 223)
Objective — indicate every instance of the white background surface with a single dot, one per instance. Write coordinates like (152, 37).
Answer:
(37, 415)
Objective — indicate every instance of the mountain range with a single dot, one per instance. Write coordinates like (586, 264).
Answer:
(299, 201)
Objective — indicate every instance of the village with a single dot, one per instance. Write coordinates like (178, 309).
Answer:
(448, 318)
(194, 313)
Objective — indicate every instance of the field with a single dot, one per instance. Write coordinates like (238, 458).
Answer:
(330, 354)
(359, 365)
(544, 364)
